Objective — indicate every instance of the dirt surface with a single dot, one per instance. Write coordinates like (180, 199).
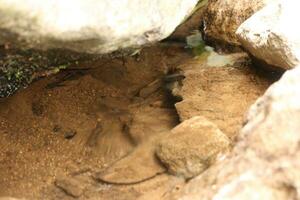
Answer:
(78, 121)
(222, 93)
(89, 131)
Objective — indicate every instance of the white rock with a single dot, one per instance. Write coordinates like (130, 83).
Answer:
(273, 35)
(277, 114)
(223, 17)
(91, 26)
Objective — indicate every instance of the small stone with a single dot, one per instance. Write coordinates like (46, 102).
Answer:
(70, 134)
(192, 147)
(56, 128)
(70, 186)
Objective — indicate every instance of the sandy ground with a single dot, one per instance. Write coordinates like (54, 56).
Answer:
(59, 135)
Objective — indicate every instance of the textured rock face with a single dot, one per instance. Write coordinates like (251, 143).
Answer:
(273, 121)
(90, 26)
(269, 34)
(191, 24)
(265, 162)
(223, 17)
(192, 147)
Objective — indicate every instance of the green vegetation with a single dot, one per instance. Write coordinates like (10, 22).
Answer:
(196, 43)
(19, 68)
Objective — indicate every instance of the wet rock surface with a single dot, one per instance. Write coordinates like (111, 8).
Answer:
(192, 147)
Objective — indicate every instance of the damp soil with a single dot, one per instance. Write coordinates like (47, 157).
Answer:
(89, 131)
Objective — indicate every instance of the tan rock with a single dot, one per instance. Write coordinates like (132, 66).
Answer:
(223, 17)
(70, 186)
(192, 147)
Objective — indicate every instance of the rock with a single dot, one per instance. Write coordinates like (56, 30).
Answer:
(90, 26)
(192, 147)
(223, 17)
(69, 134)
(269, 35)
(277, 114)
(56, 128)
(214, 87)
(265, 162)
(70, 186)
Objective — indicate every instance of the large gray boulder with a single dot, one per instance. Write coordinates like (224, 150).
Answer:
(92, 26)
(271, 34)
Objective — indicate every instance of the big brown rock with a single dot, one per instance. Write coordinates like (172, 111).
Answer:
(192, 147)
(223, 17)
(265, 162)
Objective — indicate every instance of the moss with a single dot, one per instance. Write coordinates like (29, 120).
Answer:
(18, 68)
(196, 43)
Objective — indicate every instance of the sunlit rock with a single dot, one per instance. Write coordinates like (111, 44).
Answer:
(192, 147)
(271, 35)
(91, 26)
(265, 161)
(223, 17)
